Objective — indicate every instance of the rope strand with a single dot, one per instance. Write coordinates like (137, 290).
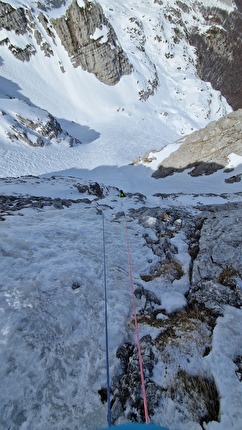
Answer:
(106, 328)
(136, 328)
(135, 323)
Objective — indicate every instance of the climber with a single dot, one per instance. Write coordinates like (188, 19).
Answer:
(121, 194)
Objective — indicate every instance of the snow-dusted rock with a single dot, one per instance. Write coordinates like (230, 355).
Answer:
(101, 55)
(206, 150)
(217, 269)
(52, 307)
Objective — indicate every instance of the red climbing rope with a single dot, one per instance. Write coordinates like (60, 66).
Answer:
(136, 328)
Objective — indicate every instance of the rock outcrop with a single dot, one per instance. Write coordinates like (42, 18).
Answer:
(84, 32)
(205, 242)
(91, 42)
(13, 19)
(219, 52)
(207, 150)
(217, 269)
(21, 21)
(213, 243)
(36, 131)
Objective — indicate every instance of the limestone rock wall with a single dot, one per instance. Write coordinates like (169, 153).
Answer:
(219, 52)
(21, 21)
(92, 44)
(84, 32)
(13, 19)
(217, 269)
(103, 55)
(206, 150)
(220, 245)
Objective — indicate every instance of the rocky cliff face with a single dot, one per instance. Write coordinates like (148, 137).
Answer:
(36, 132)
(213, 244)
(208, 149)
(13, 19)
(91, 42)
(219, 52)
(85, 33)
(239, 4)
(21, 21)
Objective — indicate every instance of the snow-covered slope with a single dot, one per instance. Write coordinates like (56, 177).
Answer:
(161, 99)
(66, 125)
(52, 335)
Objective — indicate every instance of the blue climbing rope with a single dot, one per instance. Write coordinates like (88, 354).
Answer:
(106, 327)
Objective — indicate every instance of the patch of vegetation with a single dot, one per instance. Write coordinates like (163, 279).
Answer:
(186, 324)
(199, 393)
(148, 159)
(171, 269)
(228, 277)
(213, 31)
(180, 323)
(187, 333)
